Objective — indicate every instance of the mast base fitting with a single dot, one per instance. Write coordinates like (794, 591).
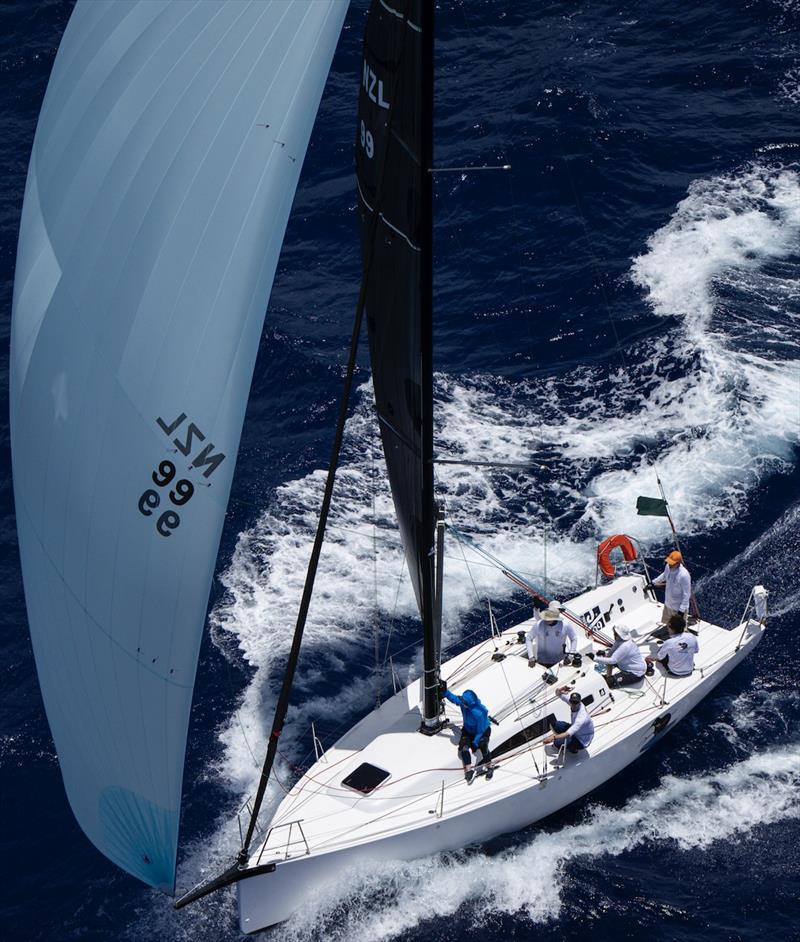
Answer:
(437, 727)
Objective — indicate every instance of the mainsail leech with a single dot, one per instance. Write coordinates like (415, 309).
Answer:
(165, 162)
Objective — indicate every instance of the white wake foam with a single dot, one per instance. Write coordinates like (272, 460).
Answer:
(731, 414)
(530, 880)
(725, 226)
(724, 416)
(717, 413)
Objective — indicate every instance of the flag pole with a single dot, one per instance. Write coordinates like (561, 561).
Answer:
(669, 515)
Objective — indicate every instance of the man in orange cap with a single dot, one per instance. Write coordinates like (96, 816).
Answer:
(678, 587)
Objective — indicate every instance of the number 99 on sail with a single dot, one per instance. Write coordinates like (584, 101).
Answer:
(178, 495)
(367, 141)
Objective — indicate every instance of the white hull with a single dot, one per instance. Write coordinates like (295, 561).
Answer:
(450, 814)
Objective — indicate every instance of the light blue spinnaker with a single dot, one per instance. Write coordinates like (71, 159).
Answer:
(165, 163)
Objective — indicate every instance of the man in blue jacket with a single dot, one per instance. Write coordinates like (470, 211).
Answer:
(475, 732)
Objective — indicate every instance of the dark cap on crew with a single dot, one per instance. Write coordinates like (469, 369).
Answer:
(677, 623)
(574, 699)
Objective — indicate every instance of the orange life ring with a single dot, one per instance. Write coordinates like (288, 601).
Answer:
(618, 541)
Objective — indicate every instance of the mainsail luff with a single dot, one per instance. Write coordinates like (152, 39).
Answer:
(398, 53)
(431, 612)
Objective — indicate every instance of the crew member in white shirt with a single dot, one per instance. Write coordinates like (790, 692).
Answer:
(554, 638)
(579, 732)
(626, 657)
(677, 584)
(678, 651)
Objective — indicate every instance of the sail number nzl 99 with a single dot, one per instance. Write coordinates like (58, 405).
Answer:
(178, 492)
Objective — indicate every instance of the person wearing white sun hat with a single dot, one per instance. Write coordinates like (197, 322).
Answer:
(554, 638)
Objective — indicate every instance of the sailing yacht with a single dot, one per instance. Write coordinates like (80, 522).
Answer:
(393, 787)
(385, 791)
(167, 153)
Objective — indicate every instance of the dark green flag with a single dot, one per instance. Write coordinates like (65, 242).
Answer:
(651, 507)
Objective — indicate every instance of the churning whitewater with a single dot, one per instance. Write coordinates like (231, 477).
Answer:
(625, 298)
(715, 417)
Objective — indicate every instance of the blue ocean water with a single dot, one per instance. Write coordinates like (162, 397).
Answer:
(626, 295)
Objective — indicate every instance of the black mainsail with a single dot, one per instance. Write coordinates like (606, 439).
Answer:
(394, 149)
(394, 154)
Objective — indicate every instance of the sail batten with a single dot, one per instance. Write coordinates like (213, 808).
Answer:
(165, 163)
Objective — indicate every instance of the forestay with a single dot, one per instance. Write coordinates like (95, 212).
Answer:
(163, 170)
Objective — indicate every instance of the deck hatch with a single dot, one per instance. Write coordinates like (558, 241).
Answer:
(366, 778)
(529, 734)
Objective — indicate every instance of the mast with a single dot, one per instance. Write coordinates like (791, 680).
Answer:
(431, 625)
(396, 118)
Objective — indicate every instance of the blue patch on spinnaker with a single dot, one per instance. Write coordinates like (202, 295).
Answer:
(140, 837)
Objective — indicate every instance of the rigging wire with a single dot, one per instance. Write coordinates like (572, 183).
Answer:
(466, 563)
(393, 621)
(283, 701)
(376, 611)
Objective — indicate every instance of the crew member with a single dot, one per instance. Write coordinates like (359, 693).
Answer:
(678, 651)
(579, 732)
(475, 732)
(678, 587)
(625, 656)
(554, 638)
